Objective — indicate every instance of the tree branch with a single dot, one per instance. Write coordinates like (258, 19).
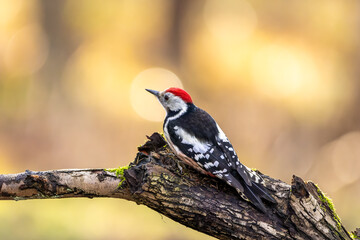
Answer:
(160, 181)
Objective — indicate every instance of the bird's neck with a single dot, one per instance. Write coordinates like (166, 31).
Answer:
(172, 115)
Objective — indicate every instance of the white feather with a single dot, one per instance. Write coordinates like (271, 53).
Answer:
(166, 133)
(174, 103)
(221, 134)
(197, 145)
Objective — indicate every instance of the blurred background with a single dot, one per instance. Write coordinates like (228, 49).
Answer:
(281, 78)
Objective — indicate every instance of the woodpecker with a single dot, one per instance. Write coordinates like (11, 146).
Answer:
(195, 137)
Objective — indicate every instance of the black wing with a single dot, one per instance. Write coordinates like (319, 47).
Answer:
(253, 185)
(198, 123)
(213, 151)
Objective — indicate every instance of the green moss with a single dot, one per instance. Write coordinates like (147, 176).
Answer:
(328, 201)
(19, 198)
(354, 236)
(119, 172)
(163, 136)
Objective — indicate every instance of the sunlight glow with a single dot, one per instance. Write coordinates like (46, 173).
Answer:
(145, 104)
(9, 11)
(27, 50)
(284, 72)
(98, 75)
(230, 21)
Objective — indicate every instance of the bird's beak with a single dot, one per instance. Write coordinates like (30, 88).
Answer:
(156, 93)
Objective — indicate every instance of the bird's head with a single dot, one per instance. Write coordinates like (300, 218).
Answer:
(173, 99)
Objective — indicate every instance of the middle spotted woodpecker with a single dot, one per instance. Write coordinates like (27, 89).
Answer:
(195, 137)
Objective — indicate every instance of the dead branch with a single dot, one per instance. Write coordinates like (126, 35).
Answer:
(158, 180)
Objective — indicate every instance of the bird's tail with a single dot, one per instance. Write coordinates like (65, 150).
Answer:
(255, 193)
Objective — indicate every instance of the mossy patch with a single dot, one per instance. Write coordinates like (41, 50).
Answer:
(328, 201)
(119, 172)
(354, 236)
(19, 198)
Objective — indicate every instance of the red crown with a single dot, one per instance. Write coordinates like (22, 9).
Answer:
(180, 93)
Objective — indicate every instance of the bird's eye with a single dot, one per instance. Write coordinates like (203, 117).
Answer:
(166, 97)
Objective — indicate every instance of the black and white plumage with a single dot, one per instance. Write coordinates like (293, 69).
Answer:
(197, 139)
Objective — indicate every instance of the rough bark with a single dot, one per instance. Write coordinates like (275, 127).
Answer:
(158, 180)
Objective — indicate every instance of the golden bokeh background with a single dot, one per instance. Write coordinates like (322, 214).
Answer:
(280, 77)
